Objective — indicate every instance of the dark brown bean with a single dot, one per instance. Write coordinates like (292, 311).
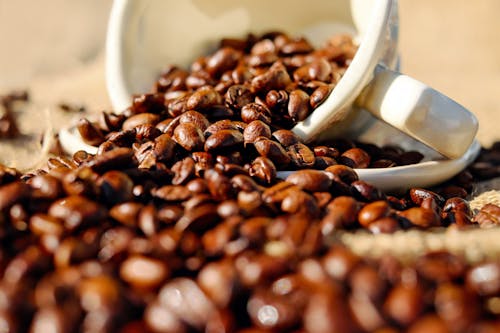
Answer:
(319, 95)
(355, 158)
(90, 133)
(418, 195)
(189, 137)
(342, 212)
(339, 262)
(484, 279)
(255, 129)
(342, 173)
(223, 139)
(196, 118)
(301, 156)
(255, 111)
(144, 273)
(237, 96)
(171, 193)
(272, 150)
(225, 124)
(298, 105)
(275, 78)
(77, 211)
(384, 225)
(115, 187)
(263, 170)
(273, 312)
(140, 119)
(372, 212)
(404, 303)
(310, 180)
(421, 217)
(222, 60)
(13, 193)
(118, 158)
(203, 98)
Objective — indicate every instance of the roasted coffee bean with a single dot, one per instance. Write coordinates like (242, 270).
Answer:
(219, 281)
(153, 103)
(225, 124)
(272, 150)
(263, 170)
(310, 180)
(273, 312)
(203, 98)
(90, 133)
(342, 212)
(255, 129)
(484, 279)
(222, 60)
(319, 95)
(456, 306)
(219, 186)
(140, 119)
(115, 187)
(429, 323)
(199, 218)
(366, 192)
(183, 170)
(277, 100)
(355, 158)
(298, 105)
(144, 273)
(372, 212)
(440, 266)
(275, 78)
(342, 173)
(77, 211)
(237, 96)
(146, 132)
(286, 138)
(189, 137)
(404, 303)
(168, 125)
(46, 186)
(118, 158)
(254, 111)
(327, 312)
(421, 217)
(301, 156)
(418, 195)
(223, 139)
(171, 193)
(164, 148)
(196, 118)
(256, 269)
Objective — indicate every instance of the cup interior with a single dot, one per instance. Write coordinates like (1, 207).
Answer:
(156, 33)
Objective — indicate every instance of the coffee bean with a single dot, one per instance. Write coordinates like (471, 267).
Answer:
(189, 137)
(196, 118)
(429, 323)
(118, 158)
(223, 139)
(319, 95)
(225, 125)
(298, 105)
(366, 192)
(77, 211)
(219, 186)
(90, 133)
(222, 60)
(342, 173)
(310, 180)
(143, 103)
(144, 273)
(418, 195)
(372, 212)
(301, 155)
(275, 78)
(342, 212)
(254, 111)
(488, 215)
(484, 279)
(115, 187)
(255, 129)
(203, 98)
(237, 96)
(171, 193)
(269, 311)
(404, 304)
(272, 150)
(421, 217)
(263, 170)
(183, 170)
(355, 158)
(140, 119)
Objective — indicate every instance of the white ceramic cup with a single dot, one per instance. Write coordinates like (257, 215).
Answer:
(146, 35)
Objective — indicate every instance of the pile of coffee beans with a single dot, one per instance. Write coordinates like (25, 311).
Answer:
(179, 222)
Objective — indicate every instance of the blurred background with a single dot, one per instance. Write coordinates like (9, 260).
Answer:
(55, 49)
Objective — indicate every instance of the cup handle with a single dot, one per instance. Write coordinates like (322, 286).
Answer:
(419, 111)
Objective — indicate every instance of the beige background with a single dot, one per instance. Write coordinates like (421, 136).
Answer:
(55, 47)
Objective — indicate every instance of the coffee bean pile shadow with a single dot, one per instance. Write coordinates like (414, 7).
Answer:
(179, 224)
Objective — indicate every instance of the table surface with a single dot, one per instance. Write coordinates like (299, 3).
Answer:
(451, 45)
